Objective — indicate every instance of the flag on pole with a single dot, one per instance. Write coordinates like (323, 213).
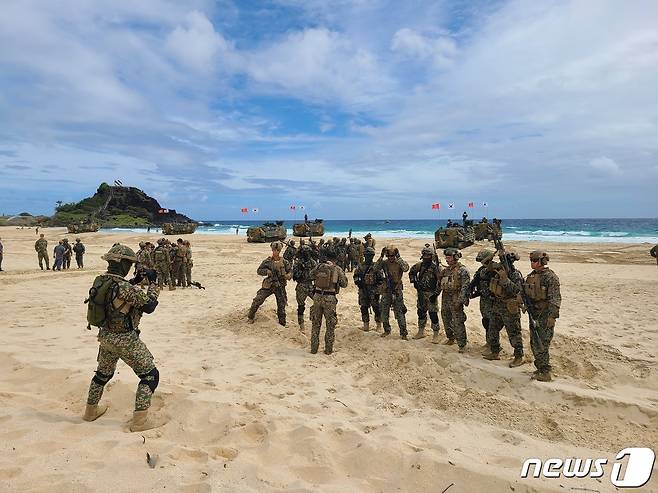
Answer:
(244, 210)
(451, 205)
(301, 207)
(471, 205)
(255, 209)
(484, 204)
(293, 207)
(436, 206)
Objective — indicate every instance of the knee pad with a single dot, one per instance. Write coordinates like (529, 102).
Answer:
(101, 379)
(150, 379)
(300, 309)
(434, 317)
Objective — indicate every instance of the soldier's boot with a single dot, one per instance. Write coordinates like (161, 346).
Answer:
(436, 337)
(251, 316)
(449, 342)
(328, 349)
(386, 333)
(378, 326)
(462, 349)
(93, 412)
(142, 421)
(300, 322)
(491, 356)
(542, 376)
(487, 352)
(366, 327)
(172, 287)
(421, 331)
(517, 361)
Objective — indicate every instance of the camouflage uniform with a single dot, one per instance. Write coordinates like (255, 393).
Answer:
(370, 283)
(301, 273)
(177, 255)
(654, 253)
(479, 286)
(119, 338)
(506, 310)
(324, 304)
(41, 247)
(272, 285)
(68, 254)
(455, 282)
(341, 259)
(392, 293)
(144, 256)
(79, 250)
(1, 254)
(542, 287)
(426, 276)
(291, 251)
(188, 264)
(353, 255)
(161, 264)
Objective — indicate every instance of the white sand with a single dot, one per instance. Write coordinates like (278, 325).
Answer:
(249, 409)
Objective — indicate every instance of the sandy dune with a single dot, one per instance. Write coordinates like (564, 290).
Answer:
(249, 409)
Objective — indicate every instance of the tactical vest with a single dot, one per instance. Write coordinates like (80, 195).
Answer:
(426, 279)
(370, 277)
(326, 278)
(533, 288)
(278, 273)
(160, 255)
(452, 283)
(394, 273)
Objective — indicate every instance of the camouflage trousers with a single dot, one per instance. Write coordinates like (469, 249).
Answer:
(425, 305)
(262, 294)
(367, 300)
(78, 260)
(454, 318)
(303, 290)
(188, 274)
(43, 256)
(395, 300)
(164, 275)
(177, 274)
(323, 305)
(486, 310)
(132, 350)
(511, 320)
(540, 342)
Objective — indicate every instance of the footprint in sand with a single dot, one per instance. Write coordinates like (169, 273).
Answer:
(228, 453)
(10, 472)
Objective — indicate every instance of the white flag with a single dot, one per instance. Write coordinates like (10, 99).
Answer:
(301, 207)
(451, 205)
(484, 204)
(254, 210)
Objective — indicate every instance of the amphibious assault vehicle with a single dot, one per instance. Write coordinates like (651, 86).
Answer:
(267, 232)
(83, 228)
(178, 228)
(306, 229)
(455, 236)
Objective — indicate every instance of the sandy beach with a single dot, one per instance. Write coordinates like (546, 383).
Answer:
(248, 408)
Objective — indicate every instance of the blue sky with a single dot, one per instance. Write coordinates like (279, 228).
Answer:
(354, 108)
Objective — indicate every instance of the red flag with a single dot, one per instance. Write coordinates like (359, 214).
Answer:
(244, 210)
(436, 206)
(292, 207)
(470, 205)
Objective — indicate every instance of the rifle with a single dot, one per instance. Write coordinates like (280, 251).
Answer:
(278, 286)
(361, 283)
(507, 266)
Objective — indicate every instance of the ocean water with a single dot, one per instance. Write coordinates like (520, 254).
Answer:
(559, 230)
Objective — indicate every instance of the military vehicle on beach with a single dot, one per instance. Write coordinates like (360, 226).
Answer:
(178, 228)
(83, 228)
(307, 228)
(455, 236)
(267, 232)
(487, 230)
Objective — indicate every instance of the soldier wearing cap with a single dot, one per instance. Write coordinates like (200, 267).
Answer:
(277, 272)
(542, 288)
(303, 264)
(370, 282)
(162, 263)
(505, 289)
(455, 282)
(425, 277)
(479, 286)
(393, 268)
(79, 250)
(122, 304)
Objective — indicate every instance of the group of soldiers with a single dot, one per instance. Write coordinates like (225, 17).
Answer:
(348, 252)
(62, 253)
(171, 260)
(502, 290)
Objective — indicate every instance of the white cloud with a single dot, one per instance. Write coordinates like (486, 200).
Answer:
(441, 50)
(605, 165)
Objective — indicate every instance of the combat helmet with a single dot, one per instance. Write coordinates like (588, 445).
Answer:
(452, 252)
(539, 255)
(118, 253)
(426, 251)
(276, 245)
(484, 255)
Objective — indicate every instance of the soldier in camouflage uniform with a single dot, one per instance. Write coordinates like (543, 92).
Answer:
(328, 278)
(68, 254)
(142, 254)
(188, 263)
(301, 273)
(542, 288)
(277, 272)
(654, 253)
(506, 310)
(79, 250)
(369, 241)
(392, 268)
(370, 283)
(161, 263)
(480, 287)
(41, 247)
(342, 248)
(353, 255)
(290, 251)
(177, 256)
(425, 277)
(455, 282)
(123, 305)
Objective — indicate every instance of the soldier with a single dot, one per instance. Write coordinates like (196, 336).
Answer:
(505, 310)
(542, 287)
(58, 254)
(426, 276)
(277, 272)
(142, 254)
(41, 247)
(290, 252)
(68, 253)
(479, 286)
(301, 273)
(341, 259)
(455, 281)
(188, 264)
(2, 249)
(353, 254)
(393, 268)
(369, 241)
(79, 250)
(177, 256)
(370, 282)
(161, 263)
(654, 253)
(328, 278)
(116, 307)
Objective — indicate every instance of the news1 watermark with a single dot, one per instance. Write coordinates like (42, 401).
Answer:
(631, 468)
